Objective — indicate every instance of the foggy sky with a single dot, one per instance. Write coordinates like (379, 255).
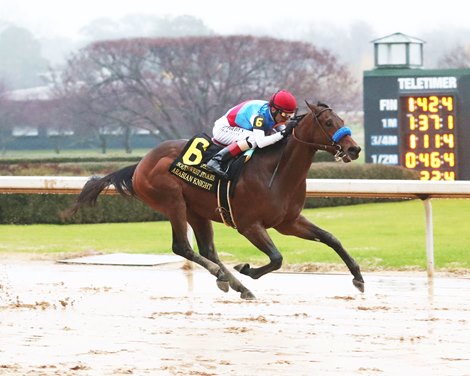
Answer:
(58, 18)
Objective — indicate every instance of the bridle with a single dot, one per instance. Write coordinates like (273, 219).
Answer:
(334, 145)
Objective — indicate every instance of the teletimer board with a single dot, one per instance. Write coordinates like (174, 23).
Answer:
(419, 119)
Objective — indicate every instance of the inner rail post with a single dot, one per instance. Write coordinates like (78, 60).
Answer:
(429, 235)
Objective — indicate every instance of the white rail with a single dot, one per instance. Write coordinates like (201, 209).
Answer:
(424, 190)
(387, 188)
(42, 184)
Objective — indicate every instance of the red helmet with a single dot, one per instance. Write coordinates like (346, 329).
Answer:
(283, 101)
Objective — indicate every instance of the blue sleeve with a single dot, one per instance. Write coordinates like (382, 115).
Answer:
(259, 122)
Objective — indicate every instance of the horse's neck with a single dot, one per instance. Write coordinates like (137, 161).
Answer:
(296, 163)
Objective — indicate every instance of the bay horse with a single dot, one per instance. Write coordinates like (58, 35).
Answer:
(261, 200)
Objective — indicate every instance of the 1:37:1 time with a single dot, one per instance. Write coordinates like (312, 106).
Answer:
(423, 122)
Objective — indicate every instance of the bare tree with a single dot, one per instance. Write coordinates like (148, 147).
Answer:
(177, 87)
(10, 116)
(4, 116)
(88, 117)
(457, 57)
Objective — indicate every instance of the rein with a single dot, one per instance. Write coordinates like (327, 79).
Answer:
(312, 144)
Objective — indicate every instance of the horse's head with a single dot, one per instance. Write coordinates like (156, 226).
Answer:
(323, 129)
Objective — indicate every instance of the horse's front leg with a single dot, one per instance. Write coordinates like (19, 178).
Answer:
(259, 237)
(303, 228)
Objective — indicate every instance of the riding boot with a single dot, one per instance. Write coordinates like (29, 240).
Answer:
(215, 163)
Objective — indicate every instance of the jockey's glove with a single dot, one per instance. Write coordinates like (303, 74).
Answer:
(287, 131)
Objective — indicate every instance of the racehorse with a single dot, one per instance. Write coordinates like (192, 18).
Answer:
(269, 194)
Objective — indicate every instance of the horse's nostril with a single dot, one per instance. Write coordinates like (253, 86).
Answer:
(354, 151)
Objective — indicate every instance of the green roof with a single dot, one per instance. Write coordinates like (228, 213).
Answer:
(398, 38)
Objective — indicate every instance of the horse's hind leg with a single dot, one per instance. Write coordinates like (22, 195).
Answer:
(304, 229)
(182, 248)
(205, 240)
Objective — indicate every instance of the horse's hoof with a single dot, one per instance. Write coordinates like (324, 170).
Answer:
(223, 285)
(359, 284)
(243, 268)
(247, 295)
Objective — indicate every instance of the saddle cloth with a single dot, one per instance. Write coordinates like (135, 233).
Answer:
(190, 166)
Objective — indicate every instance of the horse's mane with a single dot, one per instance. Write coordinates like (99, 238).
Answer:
(272, 148)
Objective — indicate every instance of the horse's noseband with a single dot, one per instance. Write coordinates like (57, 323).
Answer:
(335, 139)
(340, 133)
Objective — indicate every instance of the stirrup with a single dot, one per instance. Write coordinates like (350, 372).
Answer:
(217, 170)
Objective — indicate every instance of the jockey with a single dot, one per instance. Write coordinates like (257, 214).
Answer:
(249, 125)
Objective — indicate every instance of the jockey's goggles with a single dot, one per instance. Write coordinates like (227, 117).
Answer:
(286, 115)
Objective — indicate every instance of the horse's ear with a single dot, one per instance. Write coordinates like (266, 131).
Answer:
(310, 106)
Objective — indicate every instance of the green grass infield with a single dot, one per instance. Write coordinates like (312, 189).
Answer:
(380, 236)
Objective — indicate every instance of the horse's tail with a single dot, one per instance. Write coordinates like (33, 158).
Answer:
(121, 180)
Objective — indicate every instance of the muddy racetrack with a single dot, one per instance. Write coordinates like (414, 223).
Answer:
(58, 319)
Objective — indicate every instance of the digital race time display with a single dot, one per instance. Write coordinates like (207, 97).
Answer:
(419, 119)
(428, 135)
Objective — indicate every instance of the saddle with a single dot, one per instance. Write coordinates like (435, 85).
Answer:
(190, 166)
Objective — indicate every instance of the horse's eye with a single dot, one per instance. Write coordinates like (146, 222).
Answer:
(329, 123)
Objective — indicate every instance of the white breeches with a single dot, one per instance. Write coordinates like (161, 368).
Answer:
(225, 134)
